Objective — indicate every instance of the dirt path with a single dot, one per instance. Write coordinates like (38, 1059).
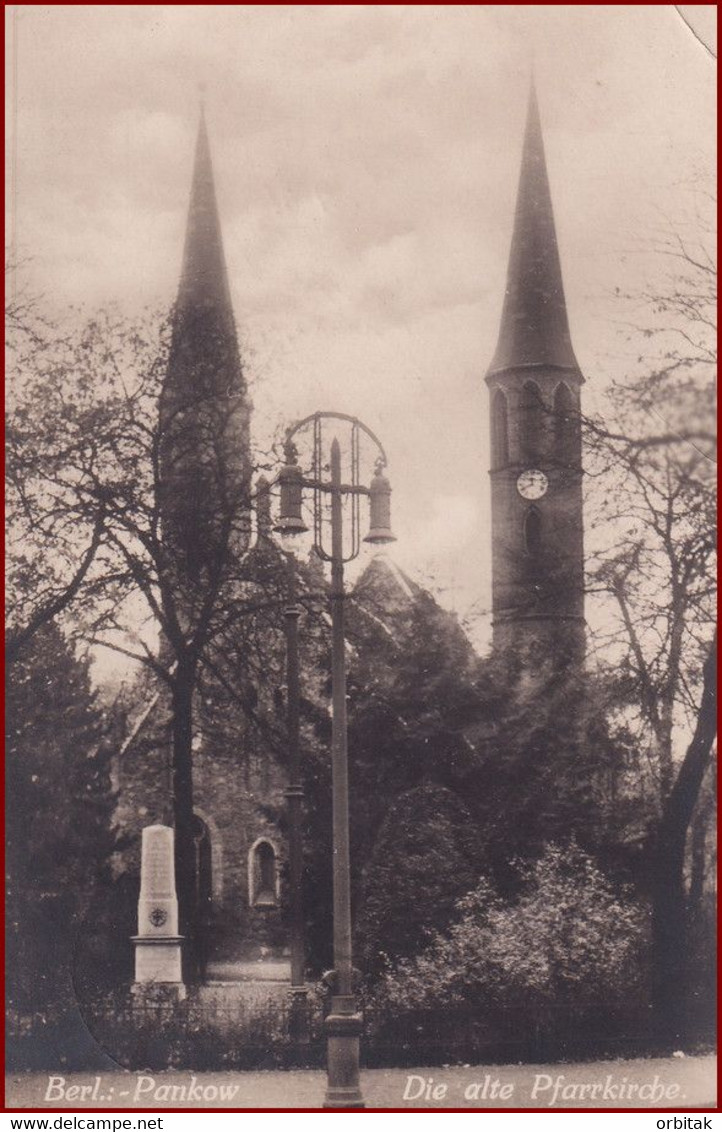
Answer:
(655, 1083)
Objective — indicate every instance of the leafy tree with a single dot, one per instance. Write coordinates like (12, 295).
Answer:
(406, 717)
(415, 687)
(546, 768)
(59, 819)
(422, 862)
(456, 766)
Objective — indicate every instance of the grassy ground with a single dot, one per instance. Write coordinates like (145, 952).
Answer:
(667, 1083)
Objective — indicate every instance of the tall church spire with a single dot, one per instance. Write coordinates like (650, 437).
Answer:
(204, 278)
(204, 408)
(536, 448)
(534, 325)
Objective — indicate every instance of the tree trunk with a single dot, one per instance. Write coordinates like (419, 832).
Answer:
(669, 913)
(185, 862)
(698, 862)
(668, 942)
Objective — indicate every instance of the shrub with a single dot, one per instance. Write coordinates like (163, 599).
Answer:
(567, 943)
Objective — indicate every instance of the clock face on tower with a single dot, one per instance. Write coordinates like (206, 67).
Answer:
(532, 484)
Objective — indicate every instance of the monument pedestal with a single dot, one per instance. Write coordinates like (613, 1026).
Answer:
(157, 959)
(157, 944)
(150, 996)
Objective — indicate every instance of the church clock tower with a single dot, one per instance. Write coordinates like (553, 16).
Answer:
(534, 385)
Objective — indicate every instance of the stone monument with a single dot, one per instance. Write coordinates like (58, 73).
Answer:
(157, 944)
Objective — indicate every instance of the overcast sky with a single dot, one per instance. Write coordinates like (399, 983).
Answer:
(366, 162)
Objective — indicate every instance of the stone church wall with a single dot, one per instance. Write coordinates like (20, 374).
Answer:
(238, 796)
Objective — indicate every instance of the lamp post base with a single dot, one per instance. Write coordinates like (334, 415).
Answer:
(343, 1029)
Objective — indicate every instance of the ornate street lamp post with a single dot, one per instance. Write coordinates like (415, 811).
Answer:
(294, 798)
(343, 1024)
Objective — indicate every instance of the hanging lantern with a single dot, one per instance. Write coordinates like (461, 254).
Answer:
(290, 478)
(380, 508)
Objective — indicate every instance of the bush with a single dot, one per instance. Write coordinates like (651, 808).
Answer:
(209, 1029)
(567, 946)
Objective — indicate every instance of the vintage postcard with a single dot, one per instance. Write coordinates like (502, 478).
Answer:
(361, 527)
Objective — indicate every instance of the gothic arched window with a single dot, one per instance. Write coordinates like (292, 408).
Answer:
(530, 421)
(533, 531)
(262, 875)
(565, 425)
(499, 430)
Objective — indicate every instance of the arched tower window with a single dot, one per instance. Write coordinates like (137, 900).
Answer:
(499, 430)
(530, 422)
(533, 531)
(263, 882)
(565, 425)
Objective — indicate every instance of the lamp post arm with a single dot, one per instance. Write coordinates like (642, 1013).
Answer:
(317, 417)
(325, 485)
(344, 488)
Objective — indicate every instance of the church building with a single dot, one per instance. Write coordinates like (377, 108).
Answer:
(239, 778)
(204, 504)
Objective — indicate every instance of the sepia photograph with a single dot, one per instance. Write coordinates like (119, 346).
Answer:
(360, 557)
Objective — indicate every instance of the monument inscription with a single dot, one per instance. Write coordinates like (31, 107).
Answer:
(158, 904)
(157, 944)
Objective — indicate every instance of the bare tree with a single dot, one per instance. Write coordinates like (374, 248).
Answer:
(52, 426)
(105, 483)
(654, 457)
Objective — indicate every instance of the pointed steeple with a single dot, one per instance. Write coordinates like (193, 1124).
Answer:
(204, 277)
(204, 407)
(534, 325)
(203, 358)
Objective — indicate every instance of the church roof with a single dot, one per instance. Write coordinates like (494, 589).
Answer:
(534, 325)
(383, 584)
